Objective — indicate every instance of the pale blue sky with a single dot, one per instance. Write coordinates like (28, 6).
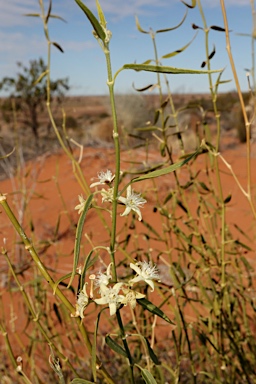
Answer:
(22, 39)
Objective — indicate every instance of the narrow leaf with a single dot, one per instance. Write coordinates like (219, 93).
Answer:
(101, 15)
(165, 171)
(139, 27)
(146, 304)
(172, 54)
(164, 69)
(188, 5)
(48, 12)
(40, 78)
(228, 198)
(176, 26)
(115, 347)
(143, 89)
(81, 381)
(216, 28)
(147, 377)
(79, 231)
(94, 22)
(152, 354)
(58, 46)
(32, 14)
(7, 155)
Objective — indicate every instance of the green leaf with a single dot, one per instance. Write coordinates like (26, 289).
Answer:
(146, 304)
(165, 171)
(172, 54)
(139, 27)
(152, 354)
(79, 231)
(188, 5)
(164, 69)
(115, 347)
(8, 154)
(48, 12)
(176, 26)
(101, 15)
(148, 378)
(81, 381)
(94, 22)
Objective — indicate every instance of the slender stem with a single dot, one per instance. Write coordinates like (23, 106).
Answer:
(110, 84)
(247, 123)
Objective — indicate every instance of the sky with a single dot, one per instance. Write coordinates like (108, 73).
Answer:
(22, 39)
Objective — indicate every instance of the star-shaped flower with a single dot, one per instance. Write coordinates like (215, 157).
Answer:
(80, 206)
(133, 201)
(110, 296)
(103, 278)
(146, 273)
(82, 302)
(131, 297)
(104, 178)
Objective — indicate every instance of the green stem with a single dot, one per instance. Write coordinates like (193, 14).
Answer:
(110, 84)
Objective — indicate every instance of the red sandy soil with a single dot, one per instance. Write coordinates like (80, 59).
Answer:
(45, 203)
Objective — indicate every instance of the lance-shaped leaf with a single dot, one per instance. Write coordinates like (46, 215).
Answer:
(101, 15)
(216, 28)
(165, 69)
(139, 27)
(81, 381)
(144, 88)
(189, 5)
(48, 12)
(115, 346)
(79, 231)
(94, 22)
(165, 171)
(176, 26)
(172, 54)
(146, 304)
(147, 376)
(209, 57)
(152, 354)
(58, 46)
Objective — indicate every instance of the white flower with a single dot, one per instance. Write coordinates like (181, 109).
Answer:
(104, 178)
(133, 202)
(107, 195)
(131, 297)
(110, 296)
(146, 273)
(103, 278)
(80, 206)
(82, 302)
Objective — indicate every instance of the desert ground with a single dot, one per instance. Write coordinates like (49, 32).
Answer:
(42, 188)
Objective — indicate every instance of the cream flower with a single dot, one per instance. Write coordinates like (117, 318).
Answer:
(104, 178)
(80, 206)
(133, 201)
(107, 195)
(146, 273)
(103, 278)
(111, 297)
(131, 297)
(82, 302)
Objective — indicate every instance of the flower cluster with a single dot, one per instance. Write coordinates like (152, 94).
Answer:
(120, 293)
(133, 201)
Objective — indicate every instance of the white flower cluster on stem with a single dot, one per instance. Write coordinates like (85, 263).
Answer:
(120, 293)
